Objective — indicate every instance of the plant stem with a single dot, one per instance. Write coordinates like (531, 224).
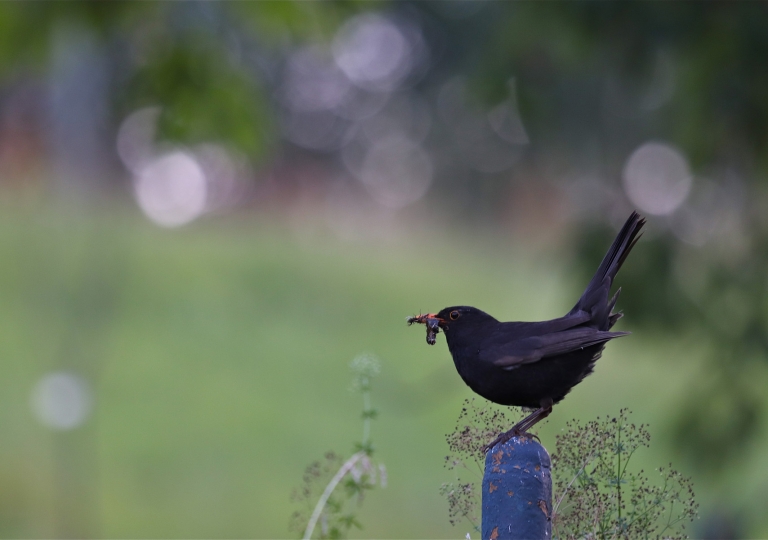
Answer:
(338, 477)
(366, 415)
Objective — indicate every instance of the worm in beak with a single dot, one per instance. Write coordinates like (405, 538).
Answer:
(431, 321)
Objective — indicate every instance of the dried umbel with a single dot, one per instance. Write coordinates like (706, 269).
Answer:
(597, 495)
(476, 424)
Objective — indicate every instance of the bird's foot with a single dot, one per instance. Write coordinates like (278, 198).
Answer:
(504, 437)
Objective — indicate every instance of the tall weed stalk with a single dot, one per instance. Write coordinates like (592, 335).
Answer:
(335, 485)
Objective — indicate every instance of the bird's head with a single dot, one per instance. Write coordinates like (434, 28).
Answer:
(450, 319)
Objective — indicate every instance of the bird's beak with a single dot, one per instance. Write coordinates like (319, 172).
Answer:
(430, 319)
(433, 323)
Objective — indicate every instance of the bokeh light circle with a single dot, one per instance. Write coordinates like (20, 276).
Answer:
(61, 400)
(657, 178)
(171, 189)
(312, 81)
(373, 52)
(396, 171)
(136, 138)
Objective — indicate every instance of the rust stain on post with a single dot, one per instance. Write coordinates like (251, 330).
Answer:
(495, 533)
(497, 460)
(492, 487)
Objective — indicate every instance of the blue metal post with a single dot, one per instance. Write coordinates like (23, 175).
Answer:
(517, 492)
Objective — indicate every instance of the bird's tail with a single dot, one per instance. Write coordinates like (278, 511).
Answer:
(600, 285)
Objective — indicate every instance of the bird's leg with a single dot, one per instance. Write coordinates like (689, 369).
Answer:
(521, 428)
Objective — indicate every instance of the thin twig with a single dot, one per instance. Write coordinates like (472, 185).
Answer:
(338, 477)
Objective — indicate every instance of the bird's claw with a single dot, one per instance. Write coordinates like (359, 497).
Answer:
(504, 437)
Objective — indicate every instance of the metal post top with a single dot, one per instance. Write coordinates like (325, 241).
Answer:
(517, 449)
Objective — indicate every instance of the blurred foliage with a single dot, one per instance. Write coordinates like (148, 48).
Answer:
(205, 98)
(585, 73)
(568, 54)
(196, 59)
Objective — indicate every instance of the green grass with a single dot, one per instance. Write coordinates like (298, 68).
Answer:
(219, 355)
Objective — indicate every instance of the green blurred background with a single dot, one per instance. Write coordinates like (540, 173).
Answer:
(207, 210)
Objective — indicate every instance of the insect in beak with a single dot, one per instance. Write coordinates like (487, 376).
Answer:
(432, 323)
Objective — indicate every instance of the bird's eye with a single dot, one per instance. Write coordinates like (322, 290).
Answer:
(454, 315)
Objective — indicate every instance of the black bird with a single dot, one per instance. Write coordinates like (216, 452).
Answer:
(535, 364)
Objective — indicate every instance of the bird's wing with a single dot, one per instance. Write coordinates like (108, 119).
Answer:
(532, 349)
(521, 330)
